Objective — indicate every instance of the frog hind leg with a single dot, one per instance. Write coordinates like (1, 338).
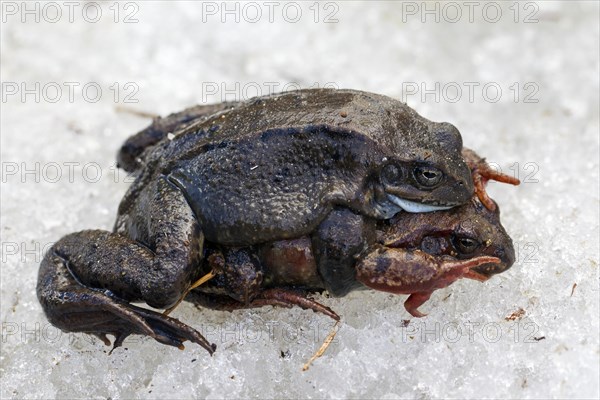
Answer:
(74, 307)
(277, 297)
(157, 267)
(288, 298)
(156, 251)
(128, 157)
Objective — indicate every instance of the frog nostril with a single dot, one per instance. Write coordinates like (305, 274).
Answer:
(432, 245)
(499, 253)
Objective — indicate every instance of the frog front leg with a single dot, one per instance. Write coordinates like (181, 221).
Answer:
(238, 273)
(336, 244)
(482, 172)
(415, 272)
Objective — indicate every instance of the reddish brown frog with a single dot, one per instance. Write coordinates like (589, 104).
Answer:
(413, 254)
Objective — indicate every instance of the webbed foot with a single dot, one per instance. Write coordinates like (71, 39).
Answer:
(74, 307)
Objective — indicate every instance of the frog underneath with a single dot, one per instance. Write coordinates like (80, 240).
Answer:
(437, 249)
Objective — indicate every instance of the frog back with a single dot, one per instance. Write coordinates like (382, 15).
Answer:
(273, 167)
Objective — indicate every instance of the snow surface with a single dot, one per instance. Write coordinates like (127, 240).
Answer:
(180, 53)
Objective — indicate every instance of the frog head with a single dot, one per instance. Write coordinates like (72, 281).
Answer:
(466, 232)
(420, 253)
(430, 175)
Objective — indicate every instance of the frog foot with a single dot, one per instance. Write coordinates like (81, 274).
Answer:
(270, 297)
(289, 299)
(163, 329)
(104, 315)
(74, 307)
(482, 173)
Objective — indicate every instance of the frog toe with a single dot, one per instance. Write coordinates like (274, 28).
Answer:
(171, 331)
(482, 172)
(414, 301)
(74, 307)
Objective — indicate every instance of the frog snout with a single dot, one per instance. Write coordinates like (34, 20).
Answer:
(507, 256)
(458, 191)
(464, 188)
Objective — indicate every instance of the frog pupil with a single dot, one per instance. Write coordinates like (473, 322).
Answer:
(427, 176)
(465, 245)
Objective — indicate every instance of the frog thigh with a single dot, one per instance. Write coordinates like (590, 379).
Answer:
(134, 146)
(155, 251)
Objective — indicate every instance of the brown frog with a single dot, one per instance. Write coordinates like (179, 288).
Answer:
(412, 254)
(273, 167)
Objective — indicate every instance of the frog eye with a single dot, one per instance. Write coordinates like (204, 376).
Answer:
(465, 245)
(427, 176)
(392, 175)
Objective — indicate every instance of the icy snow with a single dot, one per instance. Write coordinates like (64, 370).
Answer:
(58, 176)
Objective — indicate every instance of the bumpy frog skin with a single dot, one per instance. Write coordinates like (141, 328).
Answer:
(410, 254)
(273, 167)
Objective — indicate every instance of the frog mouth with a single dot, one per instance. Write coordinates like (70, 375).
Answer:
(415, 207)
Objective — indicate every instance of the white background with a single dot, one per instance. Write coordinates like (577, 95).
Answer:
(544, 58)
